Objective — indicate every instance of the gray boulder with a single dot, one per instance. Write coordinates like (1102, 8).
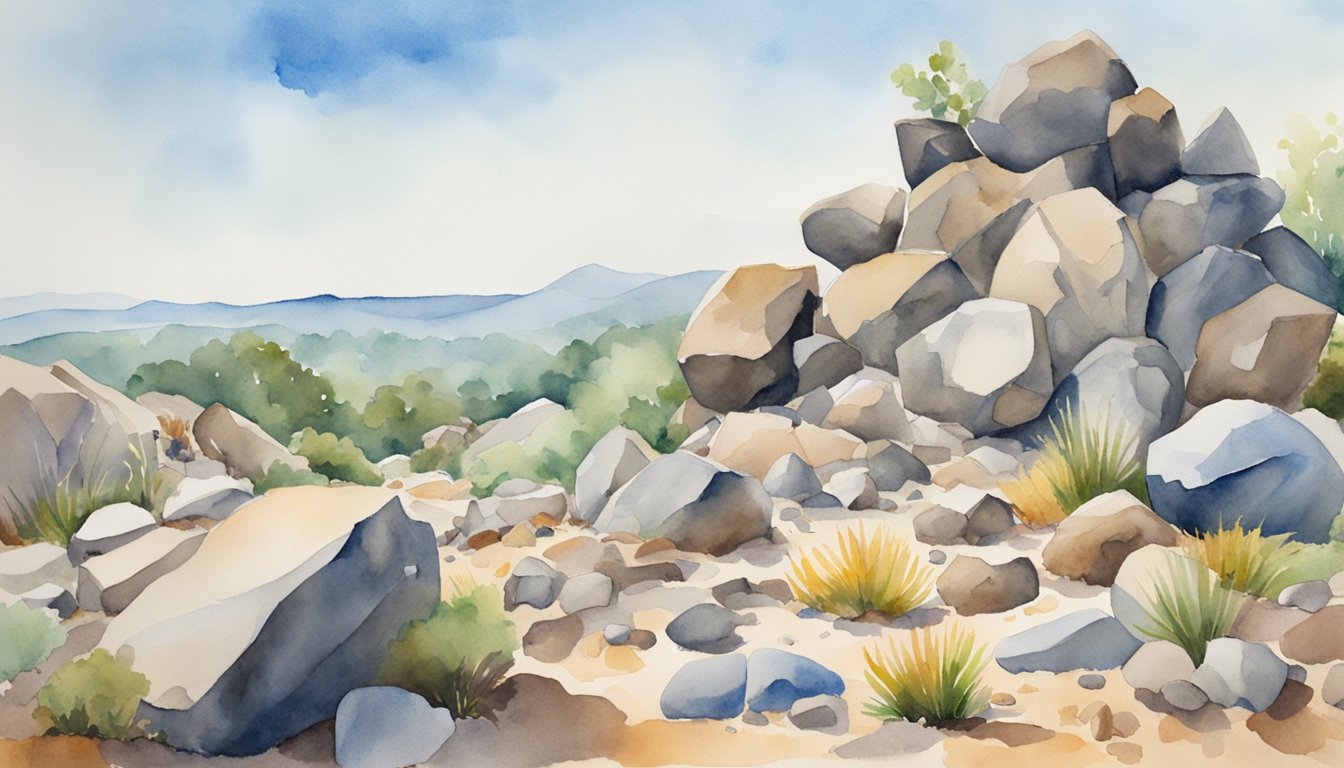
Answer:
(698, 504)
(1056, 99)
(929, 145)
(1295, 264)
(713, 688)
(707, 628)
(1157, 664)
(384, 727)
(1145, 140)
(971, 586)
(737, 352)
(1086, 639)
(240, 445)
(891, 466)
(533, 582)
(986, 367)
(1195, 212)
(109, 582)
(855, 226)
(828, 714)
(824, 361)
(1240, 459)
(613, 462)
(215, 498)
(108, 528)
(1220, 149)
(24, 568)
(869, 409)
(344, 570)
(1213, 281)
(1236, 673)
(1310, 596)
(791, 478)
(1332, 690)
(52, 597)
(591, 590)
(876, 306)
(939, 525)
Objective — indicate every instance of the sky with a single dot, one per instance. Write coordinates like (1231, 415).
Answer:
(250, 151)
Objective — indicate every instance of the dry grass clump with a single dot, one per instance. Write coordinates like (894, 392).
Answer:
(1245, 560)
(862, 574)
(934, 677)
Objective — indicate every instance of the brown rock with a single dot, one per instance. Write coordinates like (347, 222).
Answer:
(1317, 640)
(483, 539)
(753, 442)
(1103, 723)
(970, 585)
(1092, 543)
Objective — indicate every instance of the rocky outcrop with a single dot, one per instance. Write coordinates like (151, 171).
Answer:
(613, 462)
(927, 146)
(242, 446)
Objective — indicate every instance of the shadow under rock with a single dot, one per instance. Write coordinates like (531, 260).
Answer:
(312, 748)
(873, 622)
(1206, 719)
(1068, 587)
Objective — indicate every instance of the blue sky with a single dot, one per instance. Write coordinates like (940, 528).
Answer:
(253, 150)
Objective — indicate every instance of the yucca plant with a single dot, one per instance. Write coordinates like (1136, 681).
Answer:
(56, 513)
(1189, 607)
(1080, 460)
(935, 677)
(861, 574)
(1245, 560)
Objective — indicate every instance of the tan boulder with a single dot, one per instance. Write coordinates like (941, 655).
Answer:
(1092, 543)
(870, 410)
(753, 442)
(242, 446)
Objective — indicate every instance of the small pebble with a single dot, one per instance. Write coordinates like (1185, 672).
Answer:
(1103, 724)
(1003, 699)
(1092, 681)
(1128, 754)
(616, 634)
(824, 635)
(450, 558)
(787, 640)
(729, 729)
(937, 556)
(1126, 724)
(544, 531)
(754, 718)
(915, 495)
(1297, 672)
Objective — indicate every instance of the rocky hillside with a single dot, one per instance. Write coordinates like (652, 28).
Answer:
(1030, 483)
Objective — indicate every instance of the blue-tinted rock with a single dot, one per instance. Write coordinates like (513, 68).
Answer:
(928, 145)
(385, 727)
(1194, 212)
(1220, 149)
(791, 478)
(1241, 459)
(712, 688)
(1236, 673)
(1214, 281)
(1087, 639)
(776, 679)
(1294, 263)
(891, 466)
(533, 583)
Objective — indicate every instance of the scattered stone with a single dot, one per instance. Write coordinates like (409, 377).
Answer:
(109, 582)
(50, 597)
(1002, 699)
(1220, 149)
(1092, 543)
(985, 513)
(1294, 263)
(1204, 286)
(754, 718)
(1332, 690)
(713, 688)
(1092, 681)
(383, 726)
(970, 585)
(855, 226)
(1319, 639)
(825, 713)
(617, 634)
(1310, 596)
(1183, 694)
(483, 539)
(707, 628)
(519, 536)
(1126, 753)
(613, 462)
(791, 478)
(552, 640)
(1126, 724)
(533, 583)
(853, 488)
(523, 506)
(1145, 141)
(940, 525)
(1155, 664)
(937, 556)
(777, 679)
(869, 409)
(108, 528)
(1102, 723)
(1241, 674)
(1086, 639)
(624, 577)
(892, 466)
(592, 590)
(642, 639)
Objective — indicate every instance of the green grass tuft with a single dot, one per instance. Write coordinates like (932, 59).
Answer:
(1189, 607)
(934, 678)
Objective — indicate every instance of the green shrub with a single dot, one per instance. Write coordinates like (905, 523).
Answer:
(436, 459)
(1325, 393)
(281, 475)
(96, 696)
(1189, 607)
(1079, 461)
(948, 93)
(458, 654)
(934, 678)
(27, 638)
(336, 457)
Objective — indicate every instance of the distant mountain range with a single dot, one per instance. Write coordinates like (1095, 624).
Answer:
(585, 301)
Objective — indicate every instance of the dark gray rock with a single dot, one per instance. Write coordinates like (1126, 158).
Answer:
(1294, 263)
(707, 628)
(855, 226)
(824, 361)
(828, 714)
(1145, 139)
(891, 466)
(1220, 149)
(1195, 212)
(928, 145)
(940, 526)
(791, 478)
(1213, 281)
(533, 583)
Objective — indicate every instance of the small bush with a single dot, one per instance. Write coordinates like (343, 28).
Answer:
(27, 638)
(864, 574)
(458, 654)
(935, 678)
(1245, 561)
(1079, 461)
(1189, 607)
(281, 475)
(436, 459)
(96, 696)
(337, 458)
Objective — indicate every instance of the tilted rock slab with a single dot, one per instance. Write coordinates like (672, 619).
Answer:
(287, 606)
(242, 446)
(928, 145)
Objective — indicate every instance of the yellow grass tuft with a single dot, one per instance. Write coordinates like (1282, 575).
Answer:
(934, 677)
(861, 574)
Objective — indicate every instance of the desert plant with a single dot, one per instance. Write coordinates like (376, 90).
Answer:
(94, 696)
(1189, 607)
(56, 513)
(934, 678)
(29, 636)
(458, 654)
(862, 574)
(1244, 560)
(947, 93)
(1080, 460)
(178, 432)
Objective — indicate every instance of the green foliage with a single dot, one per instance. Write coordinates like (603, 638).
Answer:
(458, 654)
(335, 457)
(29, 636)
(1326, 391)
(96, 696)
(1245, 560)
(1189, 607)
(1080, 461)
(436, 459)
(863, 574)
(935, 678)
(281, 475)
(1314, 187)
(56, 511)
(945, 90)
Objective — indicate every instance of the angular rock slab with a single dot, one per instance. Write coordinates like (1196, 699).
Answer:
(1295, 264)
(287, 606)
(891, 466)
(777, 679)
(753, 442)
(242, 446)
(824, 361)
(737, 352)
(382, 727)
(533, 582)
(1092, 543)
(869, 410)
(110, 582)
(1215, 280)
(1075, 260)
(1220, 149)
(108, 528)
(855, 226)
(1086, 639)
(1319, 639)
(1240, 459)
(1195, 212)
(928, 145)
(1055, 99)
(215, 498)
(986, 367)
(613, 462)
(791, 478)
(1266, 348)
(713, 688)
(1145, 140)
(31, 566)
(697, 504)
(876, 306)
